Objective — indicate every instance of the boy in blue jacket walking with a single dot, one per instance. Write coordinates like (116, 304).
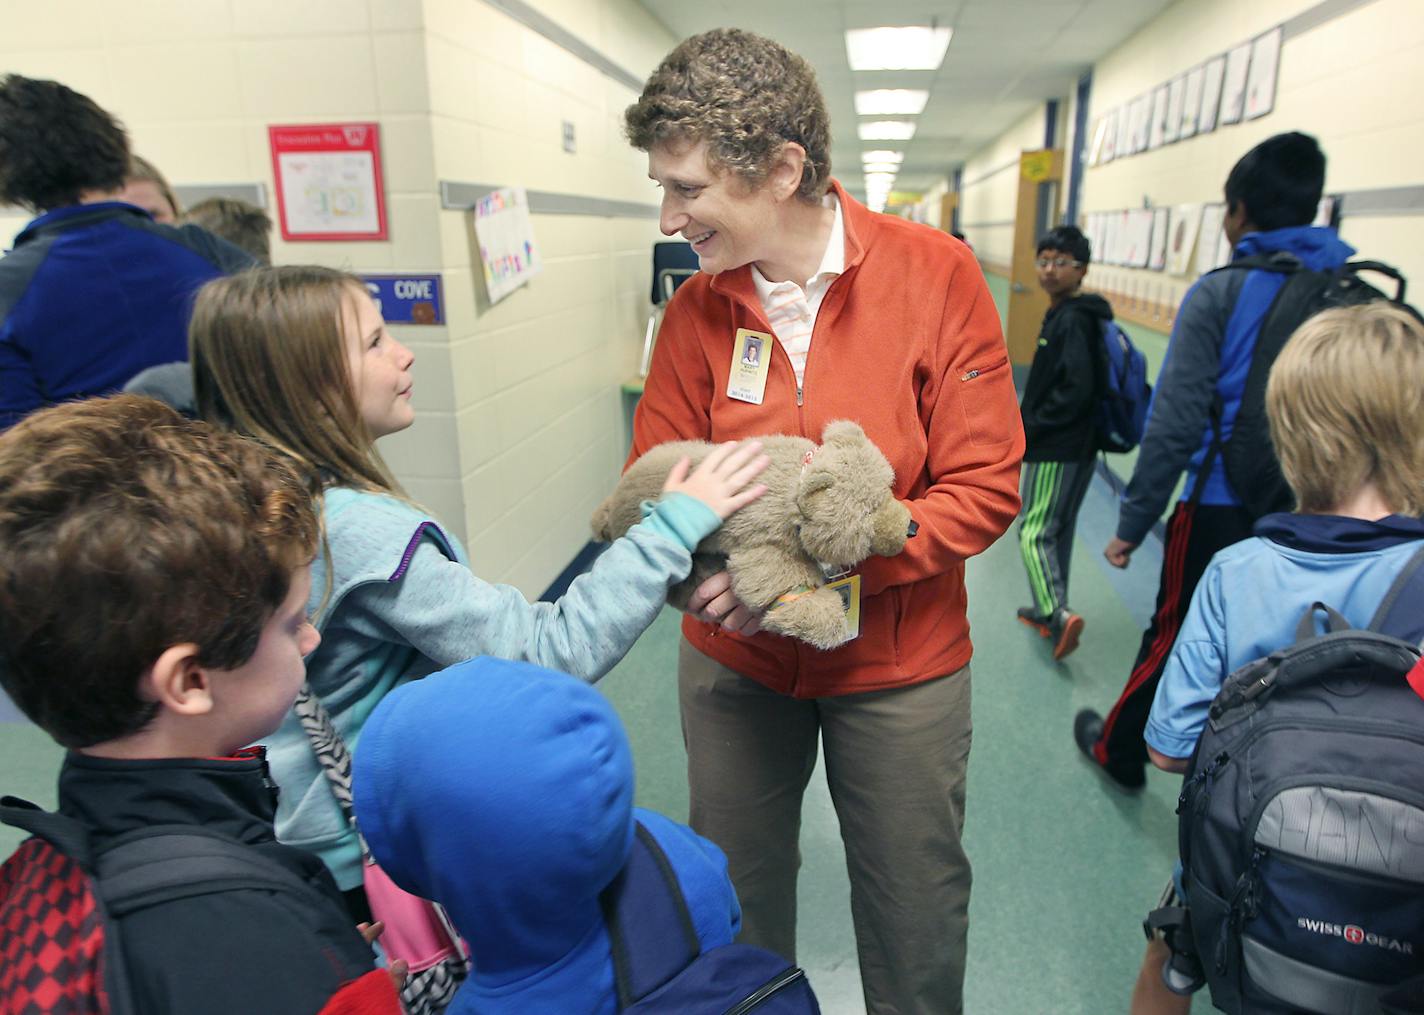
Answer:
(1271, 195)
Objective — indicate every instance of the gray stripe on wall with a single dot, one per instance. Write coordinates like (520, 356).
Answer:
(561, 36)
(1000, 223)
(458, 195)
(1314, 17)
(1011, 164)
(1383, 201)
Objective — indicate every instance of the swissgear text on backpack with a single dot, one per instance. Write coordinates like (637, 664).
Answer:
(1301, 825)
(1249, 459)
(1121, 415)
(659, 966)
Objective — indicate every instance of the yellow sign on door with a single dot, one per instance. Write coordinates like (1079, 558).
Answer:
(1037, 166)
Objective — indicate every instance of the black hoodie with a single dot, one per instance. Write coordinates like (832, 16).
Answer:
(1065, 382)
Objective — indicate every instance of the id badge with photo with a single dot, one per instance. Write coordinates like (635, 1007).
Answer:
(849, 591)
(751, 361)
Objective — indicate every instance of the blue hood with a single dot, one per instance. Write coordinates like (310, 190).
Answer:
(504, 792)
(1319, 248)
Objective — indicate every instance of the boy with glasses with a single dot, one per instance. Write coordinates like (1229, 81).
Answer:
(1064, 386)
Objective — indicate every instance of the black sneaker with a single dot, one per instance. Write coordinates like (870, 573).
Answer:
(1031, 617)
(1087, 731)
(1064, 628)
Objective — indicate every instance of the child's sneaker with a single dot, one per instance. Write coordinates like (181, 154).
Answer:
(1064, 628)
(1031, 617)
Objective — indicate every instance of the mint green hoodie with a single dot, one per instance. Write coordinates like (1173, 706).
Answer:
(404, 603)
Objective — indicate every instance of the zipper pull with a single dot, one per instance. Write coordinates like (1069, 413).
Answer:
(970, 376)
(1200, 777)
(798, 396)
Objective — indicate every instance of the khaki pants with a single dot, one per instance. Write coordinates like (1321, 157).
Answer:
(895, 763)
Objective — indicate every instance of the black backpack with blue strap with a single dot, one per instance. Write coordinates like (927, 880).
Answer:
(659, 965)
(1301, 821)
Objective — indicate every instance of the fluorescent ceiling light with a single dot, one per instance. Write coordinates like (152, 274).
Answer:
(882, 155)
(891, 102)
(881, 167)
(886, 130)
(916, 48)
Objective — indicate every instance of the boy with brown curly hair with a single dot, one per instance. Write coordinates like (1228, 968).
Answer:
(154, 575)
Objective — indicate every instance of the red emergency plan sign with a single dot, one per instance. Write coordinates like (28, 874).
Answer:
(328, 181)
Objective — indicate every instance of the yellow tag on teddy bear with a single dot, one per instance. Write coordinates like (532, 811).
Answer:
(849, 591)
(751, 361)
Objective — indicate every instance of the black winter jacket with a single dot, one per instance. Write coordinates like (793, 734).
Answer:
(235, 952)
(1065, 382)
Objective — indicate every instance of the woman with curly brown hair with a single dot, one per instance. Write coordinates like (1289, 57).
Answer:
(94, 290)
(864, 317)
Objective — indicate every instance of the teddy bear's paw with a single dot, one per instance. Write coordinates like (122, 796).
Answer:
(815, 617)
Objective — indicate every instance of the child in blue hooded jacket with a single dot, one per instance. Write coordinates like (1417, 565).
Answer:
(514, 810)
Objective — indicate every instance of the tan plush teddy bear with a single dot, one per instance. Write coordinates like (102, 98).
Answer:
(826, 509)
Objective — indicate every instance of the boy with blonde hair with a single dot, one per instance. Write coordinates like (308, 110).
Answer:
(1347, 423)
(154, 575)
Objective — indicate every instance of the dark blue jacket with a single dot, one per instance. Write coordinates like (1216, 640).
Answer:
(94, 293)
(1210, 355)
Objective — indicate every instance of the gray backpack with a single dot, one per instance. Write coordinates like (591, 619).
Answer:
(1302, 819)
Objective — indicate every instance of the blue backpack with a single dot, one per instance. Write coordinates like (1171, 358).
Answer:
(1121, 415)
(659, 965)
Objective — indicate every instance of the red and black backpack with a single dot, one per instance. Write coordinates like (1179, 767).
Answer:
(62, 903)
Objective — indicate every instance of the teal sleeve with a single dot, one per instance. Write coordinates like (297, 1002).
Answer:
(681, 518)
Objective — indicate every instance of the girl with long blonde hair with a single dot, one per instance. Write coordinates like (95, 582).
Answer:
(300, 359)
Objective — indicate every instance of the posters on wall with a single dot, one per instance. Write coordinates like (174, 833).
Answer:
(1233, 85)
(1209, 238)
(1213, 72)
(1176, 98)
(1186, 222)
(1124, 132)
(1158, 135)
(1157, 259)
(508, 254)
(1191, 103)
(328, 181)
(1261, 81)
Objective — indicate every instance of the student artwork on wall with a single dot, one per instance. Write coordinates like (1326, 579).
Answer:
(1139, 227)
(1212, 74)
(1124, 132)
(1101, 151)
(1233, 85)
(506, 239)
(1176, 97)
(1209, 239)
(1158, 135)
(1157, 259)
(1191, 103)
(1186, 222)
(1261, 81)
(1223, 249)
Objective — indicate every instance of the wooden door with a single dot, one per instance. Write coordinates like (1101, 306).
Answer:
(1040, 176)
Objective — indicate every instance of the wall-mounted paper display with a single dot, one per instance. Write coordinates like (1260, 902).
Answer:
(1191, 103)
(1140, 227)
(1112, 237)
(1176, 96)
(1327, 212)
(1157, 259)
(506, 238)
(1186, 221)
(1223, 249)
(1100, 152)
(1208, 240)
(1212, 74)
(1261, 82)
(1142, 123)
(1233, 86)
(329, 181)
(1123, 148)
(1159, 117)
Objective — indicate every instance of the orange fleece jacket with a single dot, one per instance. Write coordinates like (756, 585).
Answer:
(907, 343)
